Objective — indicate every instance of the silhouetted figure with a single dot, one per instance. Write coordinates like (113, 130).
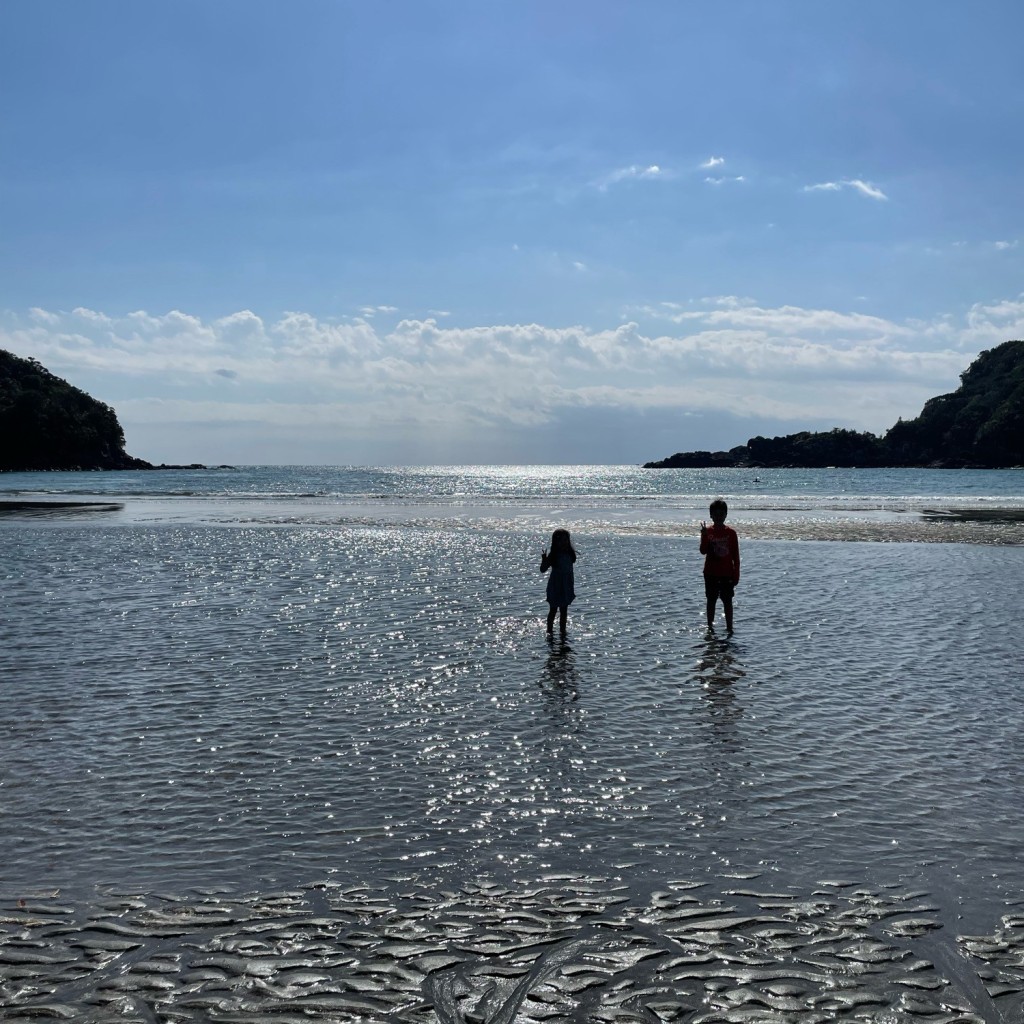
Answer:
(722, 565)
(561, 584)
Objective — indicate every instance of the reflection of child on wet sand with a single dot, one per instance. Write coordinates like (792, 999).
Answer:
(722, 564)
(561, 585)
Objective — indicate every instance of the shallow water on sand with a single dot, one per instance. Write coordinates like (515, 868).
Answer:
(254, 708)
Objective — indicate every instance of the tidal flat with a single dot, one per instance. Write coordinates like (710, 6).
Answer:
(340, 773)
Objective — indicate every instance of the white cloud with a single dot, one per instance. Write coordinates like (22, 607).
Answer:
(727, 301)
(865, 188)
(633, 172)
(988, 325)
(334, 381)
(1003, 246)
(89, 314)
(785, 321)
(723, 180)
(713, 161)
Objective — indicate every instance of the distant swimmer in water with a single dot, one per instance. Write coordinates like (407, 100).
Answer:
(561, 584)
(721, 547)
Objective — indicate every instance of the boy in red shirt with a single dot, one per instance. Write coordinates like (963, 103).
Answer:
(722, 564)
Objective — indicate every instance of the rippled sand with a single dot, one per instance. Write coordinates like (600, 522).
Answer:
(568, 948)
(341, 774)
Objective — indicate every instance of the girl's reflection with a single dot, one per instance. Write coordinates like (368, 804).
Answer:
(560, 681)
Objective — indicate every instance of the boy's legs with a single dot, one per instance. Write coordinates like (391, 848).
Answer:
(726, 588)
(711, 593)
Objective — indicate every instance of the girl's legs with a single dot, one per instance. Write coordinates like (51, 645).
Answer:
(563, 614)
(551, 618)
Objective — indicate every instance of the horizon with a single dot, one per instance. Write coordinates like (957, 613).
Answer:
(442, 234)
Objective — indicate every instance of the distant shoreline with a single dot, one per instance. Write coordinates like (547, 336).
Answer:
(722, 460)
(139, 464)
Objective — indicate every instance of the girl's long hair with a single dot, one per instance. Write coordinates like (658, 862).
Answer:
(561, 541)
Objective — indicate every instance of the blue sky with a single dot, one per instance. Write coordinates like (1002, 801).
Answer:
(419, 231)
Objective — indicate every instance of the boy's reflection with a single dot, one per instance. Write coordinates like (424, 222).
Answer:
(718, 670)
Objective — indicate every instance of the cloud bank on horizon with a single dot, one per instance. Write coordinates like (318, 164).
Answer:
(712, 372)
(513, 232)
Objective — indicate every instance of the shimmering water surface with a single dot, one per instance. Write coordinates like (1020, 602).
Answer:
(322, 721)
(942, 505)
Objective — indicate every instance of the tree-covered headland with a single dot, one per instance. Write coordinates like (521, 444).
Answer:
(981, 424)
(46, 423)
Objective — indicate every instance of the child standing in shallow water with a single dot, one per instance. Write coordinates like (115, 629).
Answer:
(722, 564)
(561, 585)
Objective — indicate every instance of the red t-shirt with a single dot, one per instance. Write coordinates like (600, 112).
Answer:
(722, 547)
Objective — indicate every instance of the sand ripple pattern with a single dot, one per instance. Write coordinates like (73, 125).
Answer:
(578, 949)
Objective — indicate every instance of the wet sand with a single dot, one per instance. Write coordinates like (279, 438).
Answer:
(30, 509)
(894, 524)
(562, 948)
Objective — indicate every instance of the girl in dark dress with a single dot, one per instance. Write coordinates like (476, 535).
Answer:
(561, 585)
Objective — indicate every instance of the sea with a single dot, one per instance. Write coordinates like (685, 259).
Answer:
(291, 743)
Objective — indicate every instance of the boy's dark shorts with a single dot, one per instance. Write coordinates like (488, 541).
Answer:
(719, 587)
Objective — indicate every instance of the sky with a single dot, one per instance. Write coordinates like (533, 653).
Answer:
(357, 232)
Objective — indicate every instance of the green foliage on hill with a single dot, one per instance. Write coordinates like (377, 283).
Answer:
(836, 447)
(980, 424)
(46, 423)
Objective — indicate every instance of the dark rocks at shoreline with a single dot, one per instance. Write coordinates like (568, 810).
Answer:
(806, 451)
(979, 426)
(114, 466)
